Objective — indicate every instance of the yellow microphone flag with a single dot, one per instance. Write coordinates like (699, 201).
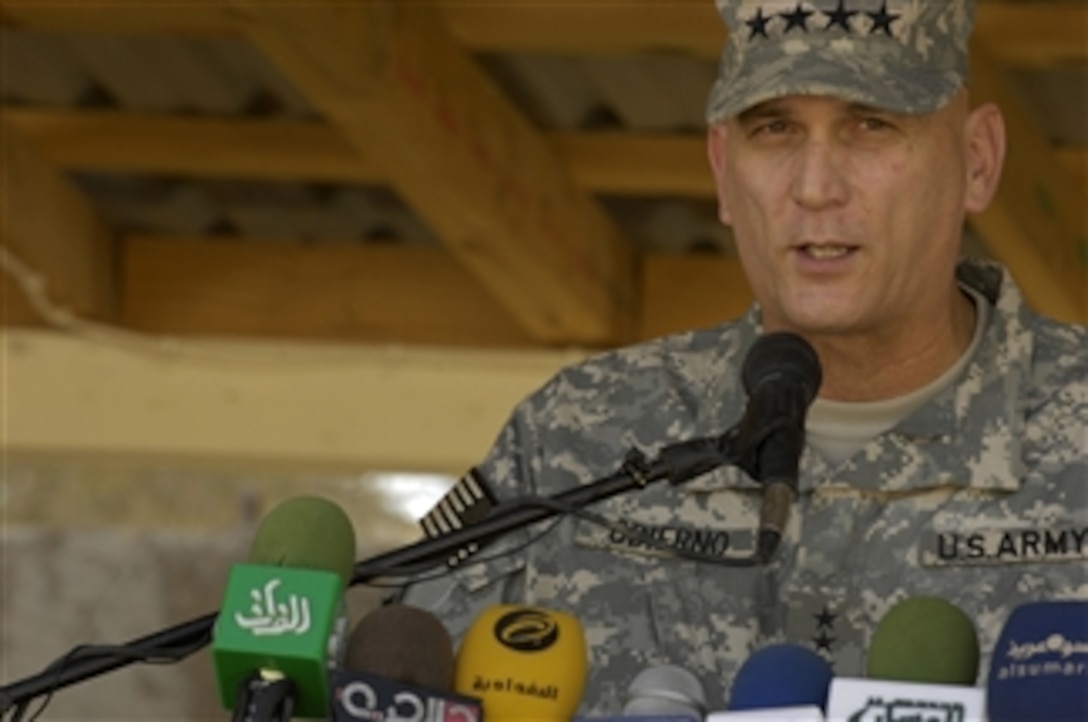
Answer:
(525, 663)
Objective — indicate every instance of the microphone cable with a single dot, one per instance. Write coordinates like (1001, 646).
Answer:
(411, 574)
(399, 578)
(133, 653)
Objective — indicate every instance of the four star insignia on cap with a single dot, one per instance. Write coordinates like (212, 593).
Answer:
(798, 18)
(883, 20)
(758, 24)
(840, 17)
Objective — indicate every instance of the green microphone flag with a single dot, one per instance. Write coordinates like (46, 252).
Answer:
(282, 620)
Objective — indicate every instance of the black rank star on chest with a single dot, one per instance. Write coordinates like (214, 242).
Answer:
(825, 625)
(825, 619)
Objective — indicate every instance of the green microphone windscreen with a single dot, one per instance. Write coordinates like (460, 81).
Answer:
(306, 532)
(926, 640)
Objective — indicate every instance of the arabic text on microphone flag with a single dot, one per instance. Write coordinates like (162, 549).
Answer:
(278, 618)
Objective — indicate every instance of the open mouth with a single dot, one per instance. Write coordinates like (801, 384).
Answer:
(826, 251)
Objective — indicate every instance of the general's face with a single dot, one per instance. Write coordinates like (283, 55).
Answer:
(847, 219)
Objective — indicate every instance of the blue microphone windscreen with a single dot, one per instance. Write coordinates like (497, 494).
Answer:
(1039, 668)
(781, 675)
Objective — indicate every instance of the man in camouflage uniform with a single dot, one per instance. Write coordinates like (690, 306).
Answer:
(946, 454)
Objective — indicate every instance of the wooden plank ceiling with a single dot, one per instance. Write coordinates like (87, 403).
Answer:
(473, 174)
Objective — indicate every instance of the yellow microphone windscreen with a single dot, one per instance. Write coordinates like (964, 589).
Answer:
(525, 663)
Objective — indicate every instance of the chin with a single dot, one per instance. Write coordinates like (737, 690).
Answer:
(819, 320)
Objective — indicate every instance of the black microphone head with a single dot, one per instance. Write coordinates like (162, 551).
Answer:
(781, 374)
(782, 359)
(405, 644)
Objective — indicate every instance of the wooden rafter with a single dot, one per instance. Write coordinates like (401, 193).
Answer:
(456, 149)
(345, 292)
(1075, 161)
(1040, 33)
(156, 144)
(1031, 34)
(58, 243)
(199, 147)
(111, 141)
(375, 294)
(1037, 223)
(322, 406)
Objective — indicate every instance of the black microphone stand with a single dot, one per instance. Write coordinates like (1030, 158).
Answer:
(265, 699)
(676, 463)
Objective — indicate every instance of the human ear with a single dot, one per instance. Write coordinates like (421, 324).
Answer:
(986, 142)
(715, 151)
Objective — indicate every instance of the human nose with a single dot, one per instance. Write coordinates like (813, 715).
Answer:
(819, 180)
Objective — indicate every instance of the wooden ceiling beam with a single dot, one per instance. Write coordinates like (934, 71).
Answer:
(1043, 33)
(682, 292)
(375, 294)
(264, 406)
(53, 241)
(1037, 224)
(1075, 162)
(156, 144)
(201, 147)
(123, 17)
(611, 162)
(403, 92)
(347, 292)
(637, 164)
(1038, 34)
(1035, 34)
(578, 28)
(1046, 33)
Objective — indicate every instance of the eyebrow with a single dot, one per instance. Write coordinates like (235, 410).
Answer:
(776, 109)
(767, 109)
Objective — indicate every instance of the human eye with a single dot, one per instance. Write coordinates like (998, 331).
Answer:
(772, 127)
(875, 123)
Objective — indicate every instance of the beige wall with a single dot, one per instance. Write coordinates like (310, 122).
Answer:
(104, 551)
(344, 406)
(134, 472)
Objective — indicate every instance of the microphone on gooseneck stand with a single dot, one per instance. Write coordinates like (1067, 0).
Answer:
(923, 661)
(782, 682)
(399, 666)
(278, 633)
(525, 663)
(1039, 668)
(781, 375)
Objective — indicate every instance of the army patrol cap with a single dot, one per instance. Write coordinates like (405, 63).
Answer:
(905, 56)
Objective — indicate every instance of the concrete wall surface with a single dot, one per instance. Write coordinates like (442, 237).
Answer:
(98, 552)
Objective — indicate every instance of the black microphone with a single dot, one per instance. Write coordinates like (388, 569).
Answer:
(781, 375)
(404, 643)
(400, 666)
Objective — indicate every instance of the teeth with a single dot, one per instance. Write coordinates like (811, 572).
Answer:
(827, 251)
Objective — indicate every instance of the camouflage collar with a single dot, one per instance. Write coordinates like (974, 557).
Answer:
(929, 446)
